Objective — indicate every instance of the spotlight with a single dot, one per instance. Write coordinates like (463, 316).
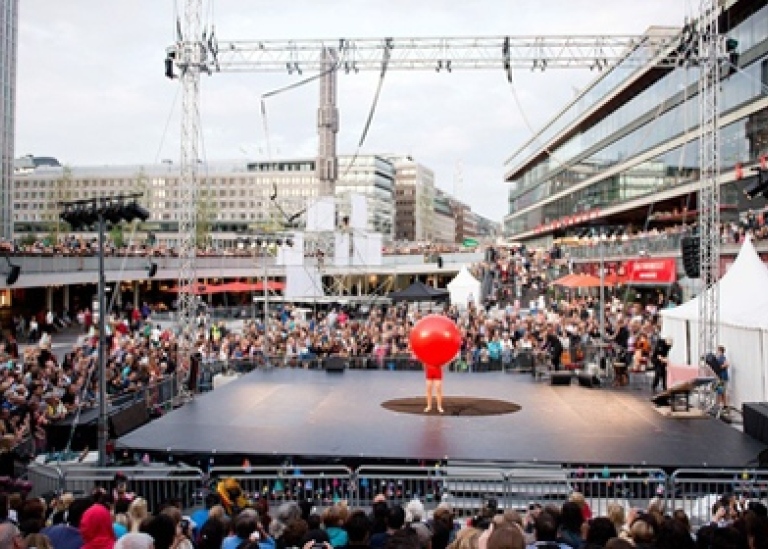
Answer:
(113, 213)
(134, 211)
(289, 243)
(279, 241)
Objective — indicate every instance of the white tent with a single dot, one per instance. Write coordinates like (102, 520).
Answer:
(463, 288)
(743, 328)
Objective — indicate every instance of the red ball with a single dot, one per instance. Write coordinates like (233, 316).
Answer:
(435, 340)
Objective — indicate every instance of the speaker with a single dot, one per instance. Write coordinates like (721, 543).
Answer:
(590, 381)
(129, 418)
(560, 378)
(194, 372)
(13, 274)
(152, 270)
(690, 251)
(335, 364)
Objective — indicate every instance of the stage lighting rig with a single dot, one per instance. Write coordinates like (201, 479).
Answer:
(84, 214)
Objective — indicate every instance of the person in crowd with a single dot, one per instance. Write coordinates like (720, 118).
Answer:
(10, 536)
(571, 520)
(723, 373)
(660, 361)
(545, 533)
(96, 528)
(395, 522)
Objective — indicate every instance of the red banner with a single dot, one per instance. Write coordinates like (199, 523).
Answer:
(650, 271)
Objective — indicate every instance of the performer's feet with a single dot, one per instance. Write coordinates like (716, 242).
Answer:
(427, 409)
(440, 410)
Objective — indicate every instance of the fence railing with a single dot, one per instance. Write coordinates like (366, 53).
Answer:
(466, 488)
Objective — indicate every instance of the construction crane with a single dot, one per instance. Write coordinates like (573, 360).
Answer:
(197, 52)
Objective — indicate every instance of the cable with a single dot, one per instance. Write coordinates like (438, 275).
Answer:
(167, 124)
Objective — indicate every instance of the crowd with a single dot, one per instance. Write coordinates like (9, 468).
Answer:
(38, 388)
(114, 518)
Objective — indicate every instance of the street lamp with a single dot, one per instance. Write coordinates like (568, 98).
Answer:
(82, 214)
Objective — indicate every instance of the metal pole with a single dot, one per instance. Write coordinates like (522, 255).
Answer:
(601, 304)
(266, 306)
(102, 356)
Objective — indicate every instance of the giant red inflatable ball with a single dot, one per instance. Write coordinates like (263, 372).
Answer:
(435, 340)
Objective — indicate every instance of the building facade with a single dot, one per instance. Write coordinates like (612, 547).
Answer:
(234, 197)
(414, 201)
(627, 147)
(9, 16)
(445, 220)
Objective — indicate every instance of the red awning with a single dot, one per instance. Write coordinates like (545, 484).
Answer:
(650, 272)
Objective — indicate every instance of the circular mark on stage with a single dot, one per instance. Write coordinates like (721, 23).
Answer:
(453, 406)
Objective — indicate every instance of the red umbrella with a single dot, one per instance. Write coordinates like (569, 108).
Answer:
(272, 286)
(237, 287)
(565, 280)
(200, 289)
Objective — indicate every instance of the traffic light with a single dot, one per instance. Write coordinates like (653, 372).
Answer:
(690, 252)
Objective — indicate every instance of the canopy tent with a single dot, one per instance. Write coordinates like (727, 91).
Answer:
(418, 291)
(251, 286)
(743, 327)
(581, 281)
(199, 289)
(464, 288)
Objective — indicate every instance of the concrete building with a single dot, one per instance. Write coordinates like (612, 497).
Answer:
(414, 200)
(627, 146)
(234, 196)
(9, 16)
(445, 220)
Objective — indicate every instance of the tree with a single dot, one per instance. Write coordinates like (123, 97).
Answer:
(61, 191)
(116, 235)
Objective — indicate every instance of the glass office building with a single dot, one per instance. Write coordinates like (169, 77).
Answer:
(628, 145)
(9, 15)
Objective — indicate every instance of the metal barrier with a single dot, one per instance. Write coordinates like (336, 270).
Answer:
(466, 487)
(696, 491)
(323, 485)
(45, 478)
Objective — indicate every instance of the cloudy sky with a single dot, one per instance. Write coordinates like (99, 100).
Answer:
(91, 89)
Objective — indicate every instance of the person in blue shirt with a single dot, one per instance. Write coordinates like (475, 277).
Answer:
(723, 374)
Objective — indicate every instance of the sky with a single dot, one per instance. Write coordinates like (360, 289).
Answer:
(92, 91)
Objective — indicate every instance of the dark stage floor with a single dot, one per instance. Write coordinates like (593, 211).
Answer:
(288, 412)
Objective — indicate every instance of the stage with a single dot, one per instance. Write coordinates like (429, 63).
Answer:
(330, 417)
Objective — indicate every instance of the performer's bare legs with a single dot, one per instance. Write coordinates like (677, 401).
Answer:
(430, 387)
(434, 387)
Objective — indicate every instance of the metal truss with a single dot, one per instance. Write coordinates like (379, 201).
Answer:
(711, 50)
(441, 54)
(195, 53)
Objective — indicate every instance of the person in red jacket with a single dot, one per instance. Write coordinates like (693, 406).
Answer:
(96, 528)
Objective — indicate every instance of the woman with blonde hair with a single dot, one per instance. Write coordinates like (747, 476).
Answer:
(466, 538)
(616, 514)
(137, 512)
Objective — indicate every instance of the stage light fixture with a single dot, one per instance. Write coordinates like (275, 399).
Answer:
(134, 210)
(13, 272)
(113, 213)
